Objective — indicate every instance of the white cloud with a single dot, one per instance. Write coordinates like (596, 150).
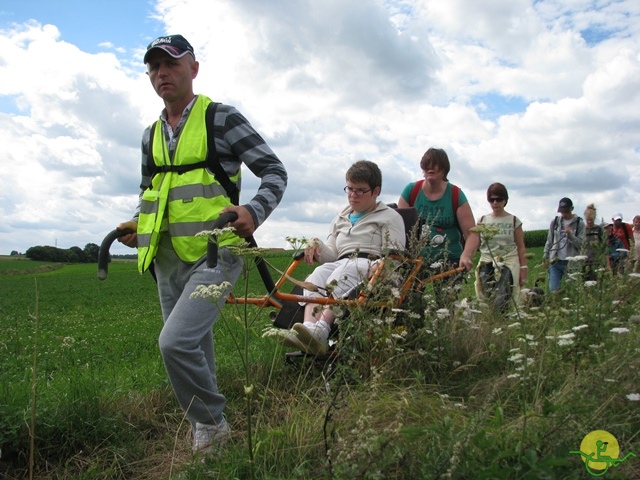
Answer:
(327, 83)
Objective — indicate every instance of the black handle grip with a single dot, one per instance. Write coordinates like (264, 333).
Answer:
(212, 246)
(103, 253)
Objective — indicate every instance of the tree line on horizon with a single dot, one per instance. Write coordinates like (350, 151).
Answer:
(532, 238)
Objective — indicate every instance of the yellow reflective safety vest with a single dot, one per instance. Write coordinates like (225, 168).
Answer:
(182, 204)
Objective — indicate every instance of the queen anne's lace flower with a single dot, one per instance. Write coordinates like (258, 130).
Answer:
(619, 330)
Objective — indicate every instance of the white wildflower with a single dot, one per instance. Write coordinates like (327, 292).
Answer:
(212, 292)
(517, 358)
(564, 342)
(634, 275)
(442, 313)
(577, 258)
(514, 325)
(435, 265)
(464, 303)
(567, 336)
(590, 283)
(278, 333)
(619, 330)
(580, 327)
(610, 380)
(215, 232)
(497, 331)
(514, 375)
(634, 397)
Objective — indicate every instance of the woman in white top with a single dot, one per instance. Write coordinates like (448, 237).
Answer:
(502, 256)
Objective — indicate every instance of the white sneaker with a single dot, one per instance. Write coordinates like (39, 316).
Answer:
(207, 437)
(290, 339)
(314, 340)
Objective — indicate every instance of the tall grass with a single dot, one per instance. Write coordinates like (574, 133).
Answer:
(461, 393)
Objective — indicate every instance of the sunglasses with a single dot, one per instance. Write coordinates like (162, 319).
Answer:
(495, 199)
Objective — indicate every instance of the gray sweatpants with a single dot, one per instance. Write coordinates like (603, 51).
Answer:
(186, 339)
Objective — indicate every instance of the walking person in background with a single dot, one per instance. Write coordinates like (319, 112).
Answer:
(593, 238)
(566, 234)
(636, 243)
(180, 196)
(624, 232)
(446, 219)
(502, 268)
(616, 253)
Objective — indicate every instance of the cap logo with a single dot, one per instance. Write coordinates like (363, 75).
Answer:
(160, 40)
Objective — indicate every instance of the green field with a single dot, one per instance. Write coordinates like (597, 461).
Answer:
(466, 394)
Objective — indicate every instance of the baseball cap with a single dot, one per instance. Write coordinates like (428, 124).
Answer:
(175, 45)
(565, 205)
(617, 216)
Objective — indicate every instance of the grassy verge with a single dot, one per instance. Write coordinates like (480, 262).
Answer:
(462, 393)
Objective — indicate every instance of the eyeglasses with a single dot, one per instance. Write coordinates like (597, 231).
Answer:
(495, 199)
(358, 192)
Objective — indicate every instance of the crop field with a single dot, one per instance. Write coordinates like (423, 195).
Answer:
(453, 393)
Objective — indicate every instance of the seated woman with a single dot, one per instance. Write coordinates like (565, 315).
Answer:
(361, 233)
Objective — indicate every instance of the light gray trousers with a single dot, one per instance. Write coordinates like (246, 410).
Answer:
(186, 339)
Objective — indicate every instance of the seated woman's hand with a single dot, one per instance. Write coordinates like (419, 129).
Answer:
(312, 252)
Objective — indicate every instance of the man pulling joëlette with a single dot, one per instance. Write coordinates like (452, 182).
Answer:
(174, 206)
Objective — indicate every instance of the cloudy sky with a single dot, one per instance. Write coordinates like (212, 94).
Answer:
(543, 96)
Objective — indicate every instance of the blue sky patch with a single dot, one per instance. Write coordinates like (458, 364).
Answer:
(491, 106)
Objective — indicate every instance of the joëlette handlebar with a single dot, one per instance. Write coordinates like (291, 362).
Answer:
(212, 247)
(103, 253)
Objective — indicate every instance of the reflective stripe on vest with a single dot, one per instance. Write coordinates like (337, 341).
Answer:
(190, 201)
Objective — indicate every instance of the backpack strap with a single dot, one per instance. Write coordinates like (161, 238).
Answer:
(626, 227)
(212, 162)
(415, 191)
(455, 198)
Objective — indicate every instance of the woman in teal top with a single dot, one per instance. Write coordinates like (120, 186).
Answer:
(445, 215)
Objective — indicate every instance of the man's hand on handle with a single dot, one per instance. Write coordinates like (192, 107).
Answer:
(131, 239)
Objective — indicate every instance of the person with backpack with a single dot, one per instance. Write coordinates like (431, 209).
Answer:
(502, 268)
(624, 232)
(593, 240)
(446, 219)
(190, 175)
(617, 254)
(564, 240)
